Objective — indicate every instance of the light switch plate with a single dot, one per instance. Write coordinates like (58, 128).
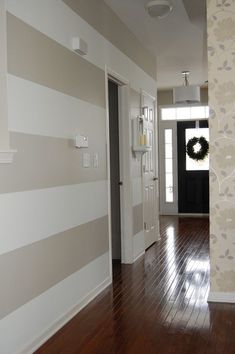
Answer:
(86, 160)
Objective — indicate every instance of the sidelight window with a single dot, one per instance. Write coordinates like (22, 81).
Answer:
(168, 166)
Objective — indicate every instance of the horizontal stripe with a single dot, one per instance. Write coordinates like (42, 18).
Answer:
(36, 109)
(27, 217)
(138, 244)
(100, 16)
(137, 218)
(44, 162)
(36, 57)
(35, 268)
(137, 191)
(67, 24)
(29, 322)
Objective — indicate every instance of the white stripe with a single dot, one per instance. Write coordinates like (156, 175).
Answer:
(137, 191)
(43, 316)
(59, 22)
(39, 110)
(138, 244)
(31, 216)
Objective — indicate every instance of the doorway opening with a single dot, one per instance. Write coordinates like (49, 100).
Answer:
(119, 186)
(115, 182)
(184, 182)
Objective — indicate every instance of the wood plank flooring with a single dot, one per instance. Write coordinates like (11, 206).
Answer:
(158, 305)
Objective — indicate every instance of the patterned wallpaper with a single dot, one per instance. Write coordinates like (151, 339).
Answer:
(221, 57)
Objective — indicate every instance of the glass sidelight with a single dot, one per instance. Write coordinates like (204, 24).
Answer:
(168, 166)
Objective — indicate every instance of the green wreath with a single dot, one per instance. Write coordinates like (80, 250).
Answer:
(204, 149)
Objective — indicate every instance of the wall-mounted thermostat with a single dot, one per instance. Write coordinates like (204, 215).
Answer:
(81, 141)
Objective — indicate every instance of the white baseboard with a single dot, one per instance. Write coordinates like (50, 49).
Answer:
(49, 332)
(221, 297)
(196, 215)
(139, 255)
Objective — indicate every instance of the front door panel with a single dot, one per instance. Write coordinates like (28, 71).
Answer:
(193, 177)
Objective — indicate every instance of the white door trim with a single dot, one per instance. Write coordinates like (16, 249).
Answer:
(6, 154)
(125, 163)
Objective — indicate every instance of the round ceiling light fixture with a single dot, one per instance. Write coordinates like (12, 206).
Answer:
(159, 8)
(186, 93)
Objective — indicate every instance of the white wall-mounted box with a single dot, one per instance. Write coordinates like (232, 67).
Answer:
(79, 46)
(81, 141)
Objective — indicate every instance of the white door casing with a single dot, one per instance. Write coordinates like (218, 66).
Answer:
(150, 172)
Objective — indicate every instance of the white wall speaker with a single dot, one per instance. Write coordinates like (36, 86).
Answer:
(79, 46)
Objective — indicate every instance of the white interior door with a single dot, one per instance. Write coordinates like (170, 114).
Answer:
(150, 173)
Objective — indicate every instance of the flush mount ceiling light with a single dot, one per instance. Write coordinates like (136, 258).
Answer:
(159, 8)
(186, 93)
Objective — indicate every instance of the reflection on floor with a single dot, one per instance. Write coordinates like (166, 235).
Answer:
(158, 305)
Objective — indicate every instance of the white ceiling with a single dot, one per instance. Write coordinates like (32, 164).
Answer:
(178, 41)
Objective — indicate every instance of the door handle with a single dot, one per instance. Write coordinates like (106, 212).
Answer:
(155, 178)
(120, 183)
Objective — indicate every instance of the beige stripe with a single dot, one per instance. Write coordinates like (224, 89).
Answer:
(137, 218)
(35, 57)
(100, 16)
(43, 162)
(29, 271)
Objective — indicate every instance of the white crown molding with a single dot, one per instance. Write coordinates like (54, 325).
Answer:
(7, 156)
(221, 297)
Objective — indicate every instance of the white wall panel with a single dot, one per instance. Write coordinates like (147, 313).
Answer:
(39, 110)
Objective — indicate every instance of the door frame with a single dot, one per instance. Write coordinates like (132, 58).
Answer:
(125, 163)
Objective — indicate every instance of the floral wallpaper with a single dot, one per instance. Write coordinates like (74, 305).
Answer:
(221, 66)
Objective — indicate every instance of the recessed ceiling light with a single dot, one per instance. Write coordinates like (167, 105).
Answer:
(159, 8)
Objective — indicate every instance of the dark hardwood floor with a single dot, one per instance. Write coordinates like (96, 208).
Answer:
(158, 305)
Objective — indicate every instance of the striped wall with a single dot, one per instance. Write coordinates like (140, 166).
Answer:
(54, 241)
(101, 51)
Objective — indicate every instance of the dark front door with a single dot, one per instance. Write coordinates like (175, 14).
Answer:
(193, 177)
(114, 170)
